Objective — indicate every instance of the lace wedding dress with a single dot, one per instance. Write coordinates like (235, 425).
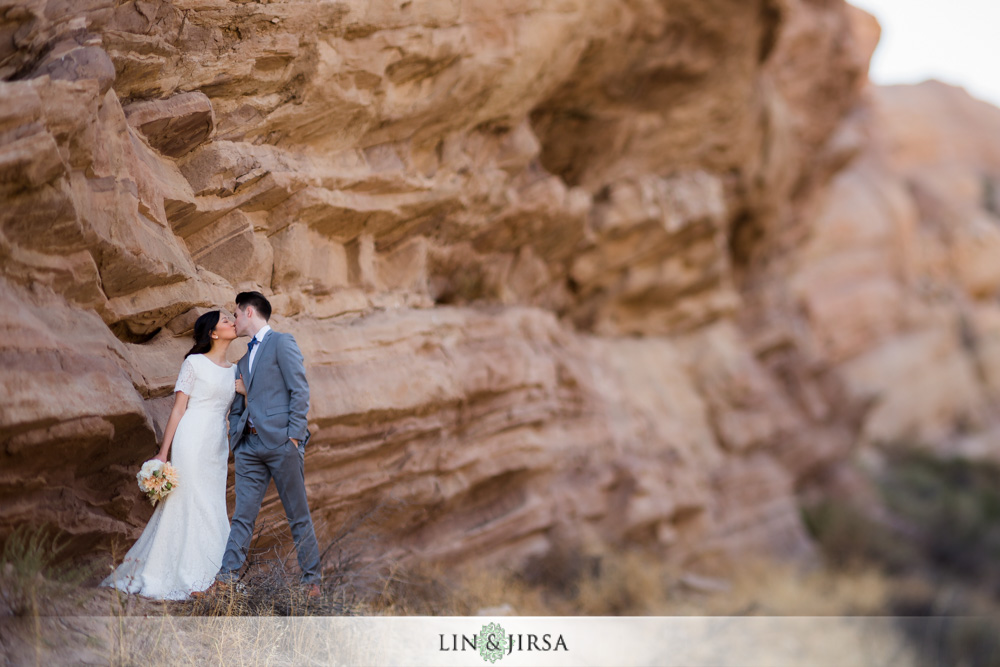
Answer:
(181, 548)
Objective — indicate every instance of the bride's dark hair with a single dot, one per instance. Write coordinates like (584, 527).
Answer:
(203, 328)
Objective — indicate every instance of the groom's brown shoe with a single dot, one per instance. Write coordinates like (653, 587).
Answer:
(217, 588)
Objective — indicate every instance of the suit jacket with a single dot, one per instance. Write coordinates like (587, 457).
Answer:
(277, 397)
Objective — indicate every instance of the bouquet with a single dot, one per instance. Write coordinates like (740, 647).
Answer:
(156, 479)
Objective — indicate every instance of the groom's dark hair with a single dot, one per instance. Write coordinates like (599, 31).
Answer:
(257, 301)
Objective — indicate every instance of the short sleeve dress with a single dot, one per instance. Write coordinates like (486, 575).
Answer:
(180, 550)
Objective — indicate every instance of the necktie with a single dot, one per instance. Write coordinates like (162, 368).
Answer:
(250, 346)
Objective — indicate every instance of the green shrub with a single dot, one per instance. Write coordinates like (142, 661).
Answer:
(953, 507)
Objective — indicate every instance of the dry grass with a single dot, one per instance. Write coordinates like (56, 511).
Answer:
(240, 627)
(632, 583)
(869, 572)
(269, 583)
(32, 571)
(35, 583)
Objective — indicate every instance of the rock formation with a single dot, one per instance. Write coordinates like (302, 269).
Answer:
(585, 271)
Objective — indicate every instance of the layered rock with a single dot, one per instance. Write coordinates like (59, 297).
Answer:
(899, 278)
(561, 269)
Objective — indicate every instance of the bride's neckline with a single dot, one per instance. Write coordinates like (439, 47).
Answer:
(213, 363)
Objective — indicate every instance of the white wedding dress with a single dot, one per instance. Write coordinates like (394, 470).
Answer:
(181, 548)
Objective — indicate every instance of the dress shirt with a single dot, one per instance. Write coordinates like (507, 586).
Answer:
(260, 338)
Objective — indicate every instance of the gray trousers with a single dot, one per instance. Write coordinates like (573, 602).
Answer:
(256, 464)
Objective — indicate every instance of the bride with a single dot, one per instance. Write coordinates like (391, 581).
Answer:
(181, 548)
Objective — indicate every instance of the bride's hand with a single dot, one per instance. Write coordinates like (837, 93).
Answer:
(160, 457)
(240, 388)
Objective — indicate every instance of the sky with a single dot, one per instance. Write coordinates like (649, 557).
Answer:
(955, 41)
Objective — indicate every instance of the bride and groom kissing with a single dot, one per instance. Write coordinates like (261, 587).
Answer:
(258, 406)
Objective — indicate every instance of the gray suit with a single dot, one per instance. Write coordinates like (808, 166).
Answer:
(276, 403)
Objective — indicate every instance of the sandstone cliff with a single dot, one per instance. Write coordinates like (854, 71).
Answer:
(575, 270)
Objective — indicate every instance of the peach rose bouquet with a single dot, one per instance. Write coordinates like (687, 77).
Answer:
(156, 479)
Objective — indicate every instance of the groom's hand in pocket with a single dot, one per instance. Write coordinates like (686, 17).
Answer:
(294, 441)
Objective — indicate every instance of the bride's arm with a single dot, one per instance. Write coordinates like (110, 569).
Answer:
(180, 405)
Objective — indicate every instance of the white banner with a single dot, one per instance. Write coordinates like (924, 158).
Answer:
(505, 641)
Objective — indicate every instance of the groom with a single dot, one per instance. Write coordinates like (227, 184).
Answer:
(267, 434)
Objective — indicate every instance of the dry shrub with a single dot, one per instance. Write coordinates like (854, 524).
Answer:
(269, 583)
(937, 515)
(948, 624)
(630, 582)
(935, 537)
(35, 580)
(31, 572)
